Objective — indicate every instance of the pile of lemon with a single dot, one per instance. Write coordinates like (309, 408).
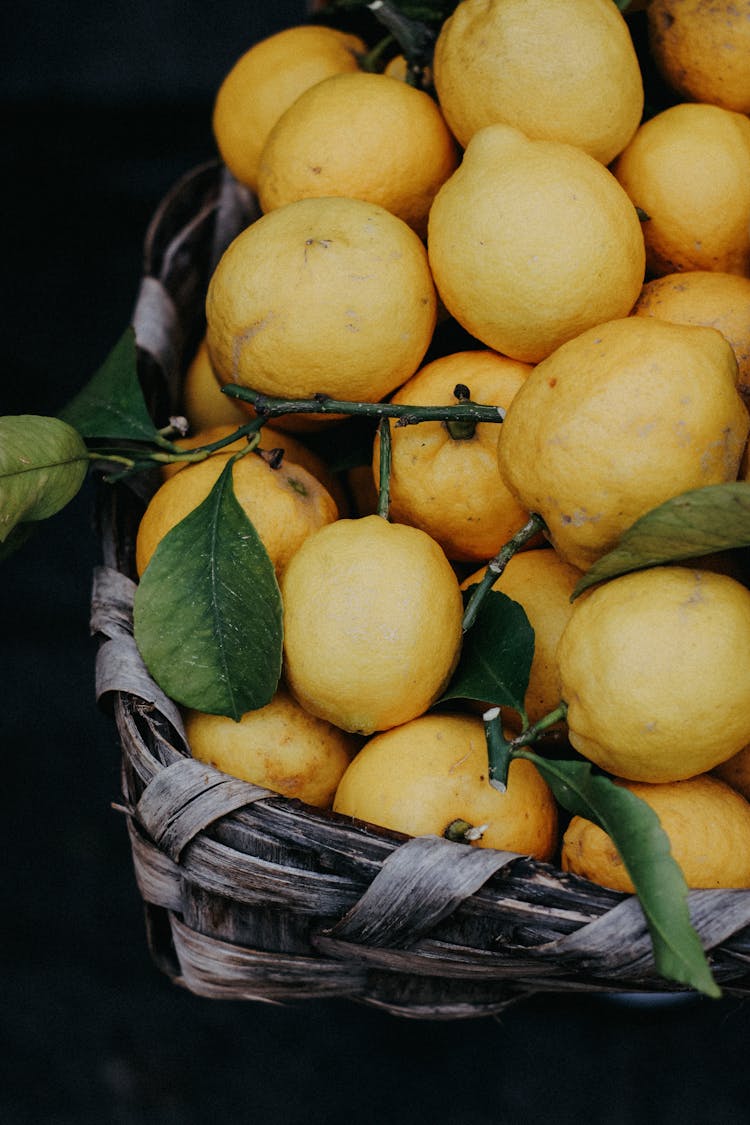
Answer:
(597, 258)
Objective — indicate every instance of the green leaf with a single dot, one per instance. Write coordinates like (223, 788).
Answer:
(496, 655)
(714, 518)
(207, 610)
(43, 463)
(111, 405)
(643, 846)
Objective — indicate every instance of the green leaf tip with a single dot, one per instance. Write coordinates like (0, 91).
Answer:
(111, 404)
(691, 525)
(644, 848)
(496, 655)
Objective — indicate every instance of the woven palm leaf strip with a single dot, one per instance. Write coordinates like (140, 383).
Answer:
(249, 895)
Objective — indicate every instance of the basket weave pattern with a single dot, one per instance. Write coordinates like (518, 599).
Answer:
(249, 895)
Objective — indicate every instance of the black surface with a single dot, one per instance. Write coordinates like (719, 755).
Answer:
(98, 121)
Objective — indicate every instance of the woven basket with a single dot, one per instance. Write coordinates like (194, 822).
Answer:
(249, 895)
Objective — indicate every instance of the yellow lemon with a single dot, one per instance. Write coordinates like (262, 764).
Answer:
(708, 826)
(266, 80)
(360, 135)
(445, 484)
(563, 71)
(624, 417)
(703, 50)
(285, 505)
(372, 623)
(428, 773)
(531, 242)
(327, 295)
(279, 746)
(688, 169)
(652, 669)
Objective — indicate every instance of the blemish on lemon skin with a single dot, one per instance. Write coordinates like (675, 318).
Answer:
(459, 761)
(297, 486)
(578, 518)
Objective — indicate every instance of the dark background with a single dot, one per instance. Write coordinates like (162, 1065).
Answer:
(104, 105)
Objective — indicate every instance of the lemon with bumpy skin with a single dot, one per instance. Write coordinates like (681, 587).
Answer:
(330, 296)
(687, 169)
(364, 136)
(531, 242)
(372, 623)
(653, 670)
(564, 71)
(703, 50)
(279, 746)
(613, 423)
(424, 775)
(708, 826)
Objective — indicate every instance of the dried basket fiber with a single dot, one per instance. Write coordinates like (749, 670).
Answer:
(251, 895)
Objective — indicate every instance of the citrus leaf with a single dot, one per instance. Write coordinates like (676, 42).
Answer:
(43, 463)
(207, 612)
(644, 848)
(714, 518)
(496, 655)
(111, 405)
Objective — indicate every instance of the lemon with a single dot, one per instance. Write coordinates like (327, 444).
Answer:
(424, 775)
(703, 50)
(531, 242)
(618, 420)
(562, 71)
(653, 672)
(280, 747)
(688, 168)
(330, 295)
(372, 623)
(708, 826)
(360, 135)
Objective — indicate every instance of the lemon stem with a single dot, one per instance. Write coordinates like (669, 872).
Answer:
(498, 749)
(532, 733)
(461, 429)
(462, 832)
(268, 406)
(384, 477)
(371, 61)
(496, 566)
